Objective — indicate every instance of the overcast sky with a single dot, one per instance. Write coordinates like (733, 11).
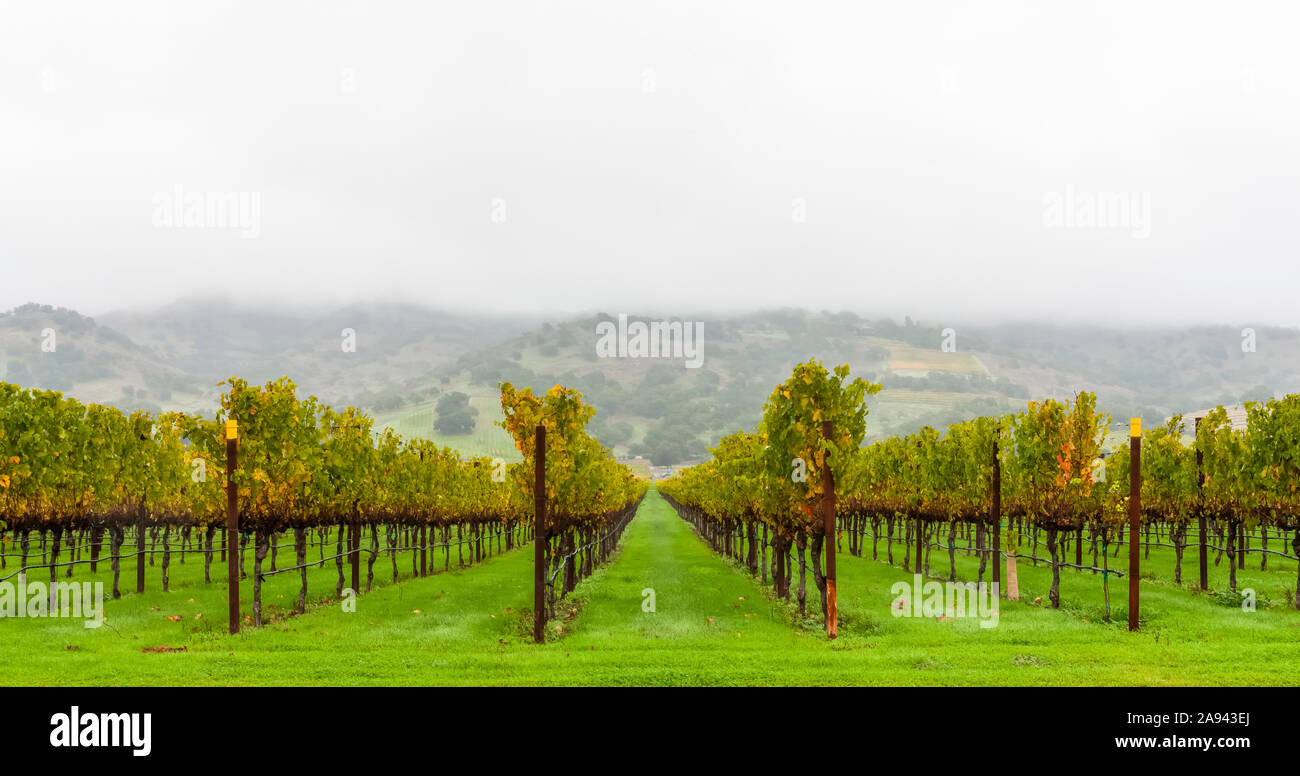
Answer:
(927, 158)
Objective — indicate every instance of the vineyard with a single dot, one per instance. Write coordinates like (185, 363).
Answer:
(74, 475)
(326, 507)
(992, 488)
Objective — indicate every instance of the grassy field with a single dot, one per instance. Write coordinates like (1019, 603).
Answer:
(638, 467)
(919, 362)
(712, 625)
(487, 438)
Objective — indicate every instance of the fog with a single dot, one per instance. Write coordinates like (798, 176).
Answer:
(1107, 162)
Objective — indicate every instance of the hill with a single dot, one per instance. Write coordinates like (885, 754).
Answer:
(407, 356)
(174, 357)
(393, 348)
(669, 413)
(59, 349)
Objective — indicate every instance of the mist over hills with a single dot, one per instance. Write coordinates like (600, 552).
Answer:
(407, 356)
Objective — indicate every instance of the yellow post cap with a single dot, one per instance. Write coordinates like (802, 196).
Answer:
(232, 429)
(1135, 427)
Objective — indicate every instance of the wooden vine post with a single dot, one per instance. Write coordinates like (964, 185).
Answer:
(1134, 517)
(920, 539)
(139, 548)
(232, 523)
(1200, 510)
(997, 519)
(828, 516)
(354, 539)
(539, 538)
(920, 544)
(422, 539)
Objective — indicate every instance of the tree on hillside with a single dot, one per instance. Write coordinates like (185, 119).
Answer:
(666, 444)
(455, 416)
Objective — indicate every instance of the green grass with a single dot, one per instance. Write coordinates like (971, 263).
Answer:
(713, 625)
(907, 359)
(486, 439)
(639, 468)
(1186, 638)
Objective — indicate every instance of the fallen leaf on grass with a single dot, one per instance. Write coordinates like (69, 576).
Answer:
(174, 617)
(165, 649)
(710, 620)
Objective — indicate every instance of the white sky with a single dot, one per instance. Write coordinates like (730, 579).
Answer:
(649, 155)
